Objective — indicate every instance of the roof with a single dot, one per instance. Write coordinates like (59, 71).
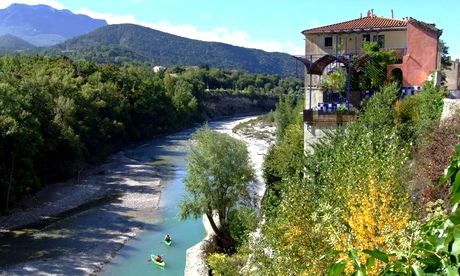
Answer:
(427, 26)
(372, 22)
(365, 23)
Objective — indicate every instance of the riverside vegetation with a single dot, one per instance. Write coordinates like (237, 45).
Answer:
(57, 114)
(359, 193)
(366, 201)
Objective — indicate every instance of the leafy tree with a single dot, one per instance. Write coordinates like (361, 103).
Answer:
(374, 71)
(218, 173)
(287, 112)
(446, 61)
(336, 81)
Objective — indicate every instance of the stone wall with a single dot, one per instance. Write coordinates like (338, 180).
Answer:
(453, 76)
(312, 135)
(451, 107)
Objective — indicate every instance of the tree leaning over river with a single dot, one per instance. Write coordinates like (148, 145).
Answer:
(217, 176)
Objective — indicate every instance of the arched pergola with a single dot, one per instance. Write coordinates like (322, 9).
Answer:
(317, 67)
(352, 65)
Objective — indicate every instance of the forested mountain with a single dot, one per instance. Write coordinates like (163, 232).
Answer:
(11, 42)
(165, 49)
(43, 25)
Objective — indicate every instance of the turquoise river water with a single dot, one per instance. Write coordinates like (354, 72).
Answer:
(169, 155)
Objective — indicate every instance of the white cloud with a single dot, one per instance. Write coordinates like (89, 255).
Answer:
(53, 3)
(110, 18)
(217, 34)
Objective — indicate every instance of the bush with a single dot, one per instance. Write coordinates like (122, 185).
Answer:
(226, 265)
(430, 161)
(418, 116)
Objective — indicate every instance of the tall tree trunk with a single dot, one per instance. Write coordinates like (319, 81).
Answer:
(224, 238)
(213, 224)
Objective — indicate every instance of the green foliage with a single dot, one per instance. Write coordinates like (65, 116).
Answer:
(225, 265)
(348, 196)
(336, 81)
(446, 61)
(379, 110)
(283, 160)
(437, 250)
(418, 116)
(242, 221)
(70, 112)
(287, 112)
(374, 71)
(218, 172)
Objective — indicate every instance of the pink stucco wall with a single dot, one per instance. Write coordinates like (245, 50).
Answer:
(421, 58)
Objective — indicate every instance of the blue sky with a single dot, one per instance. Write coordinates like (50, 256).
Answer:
(272, 25)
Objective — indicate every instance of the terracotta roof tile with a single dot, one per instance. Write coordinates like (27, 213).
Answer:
(369, 22)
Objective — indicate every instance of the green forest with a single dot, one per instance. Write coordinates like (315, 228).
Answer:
(56, 115)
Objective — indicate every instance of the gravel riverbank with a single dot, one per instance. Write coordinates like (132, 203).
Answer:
(104, 210)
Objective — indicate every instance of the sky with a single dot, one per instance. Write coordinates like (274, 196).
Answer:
(271, 25)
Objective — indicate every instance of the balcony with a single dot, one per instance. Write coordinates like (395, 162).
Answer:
(319, 118)
(399, 51)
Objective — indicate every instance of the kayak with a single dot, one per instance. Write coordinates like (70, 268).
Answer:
(153, 257)
(168, 243)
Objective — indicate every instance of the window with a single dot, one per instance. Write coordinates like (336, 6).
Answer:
(328, 41)
(380, 39)
(366, 37)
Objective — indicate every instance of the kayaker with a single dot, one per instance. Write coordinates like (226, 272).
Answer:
(167, 238)
(159, 259)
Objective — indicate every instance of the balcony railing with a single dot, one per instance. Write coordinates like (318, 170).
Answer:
(328, 118)
(399, 51)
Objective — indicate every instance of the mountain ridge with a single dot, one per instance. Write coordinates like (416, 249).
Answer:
(169, 50)
(42, 25)
(11, 42)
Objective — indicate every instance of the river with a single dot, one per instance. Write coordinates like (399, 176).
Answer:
(168, 156)
(82, 243)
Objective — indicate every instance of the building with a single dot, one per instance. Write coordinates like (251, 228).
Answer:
(341, 44)
(158, 68)
(453, 76)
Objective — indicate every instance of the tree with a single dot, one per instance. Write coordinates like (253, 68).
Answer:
(336, 81)
(217, 176)
(374, 71)
(446, 61)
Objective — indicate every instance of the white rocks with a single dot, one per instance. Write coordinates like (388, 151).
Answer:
(451, 107)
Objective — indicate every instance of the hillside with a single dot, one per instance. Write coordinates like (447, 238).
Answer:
(168, 50)
(11, 42)
(43, 25)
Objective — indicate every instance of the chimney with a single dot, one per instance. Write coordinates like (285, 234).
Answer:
(392, 15)
(370, 13)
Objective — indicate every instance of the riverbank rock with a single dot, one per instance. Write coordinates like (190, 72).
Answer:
(195, 262)
(451, 107)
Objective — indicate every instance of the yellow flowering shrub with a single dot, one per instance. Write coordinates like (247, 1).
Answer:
(373, 221)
